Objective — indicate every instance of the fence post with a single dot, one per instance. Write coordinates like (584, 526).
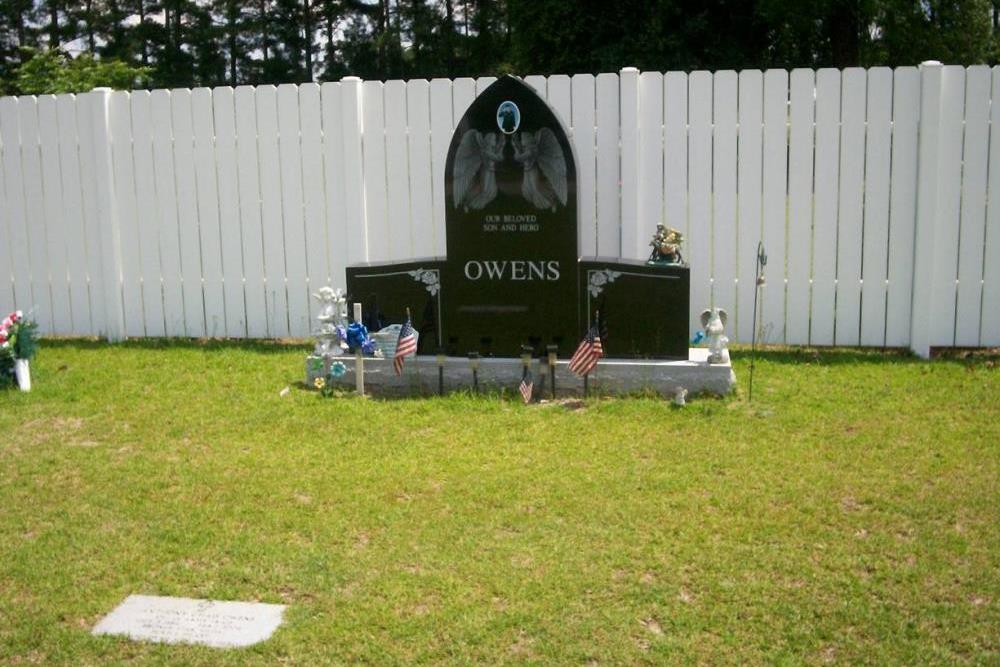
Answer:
(109, 242)
(355, 225)
(928, 147)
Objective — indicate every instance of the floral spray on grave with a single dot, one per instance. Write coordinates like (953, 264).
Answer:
(18, 345)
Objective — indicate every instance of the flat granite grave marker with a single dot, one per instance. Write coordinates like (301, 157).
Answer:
(173, 620)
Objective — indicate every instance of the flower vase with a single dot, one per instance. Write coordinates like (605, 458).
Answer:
(22, 371)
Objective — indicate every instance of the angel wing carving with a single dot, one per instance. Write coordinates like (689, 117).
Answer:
(474, 180)
(544, 183)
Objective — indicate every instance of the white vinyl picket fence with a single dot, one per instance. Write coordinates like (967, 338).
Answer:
(216, 212)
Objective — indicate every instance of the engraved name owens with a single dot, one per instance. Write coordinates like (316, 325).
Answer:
(512, 270)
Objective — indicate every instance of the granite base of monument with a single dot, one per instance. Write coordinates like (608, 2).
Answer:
(611, 377)
(172, 620)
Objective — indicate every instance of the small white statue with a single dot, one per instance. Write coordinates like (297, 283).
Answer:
(679, 395)
(714, 321)
(332, 320)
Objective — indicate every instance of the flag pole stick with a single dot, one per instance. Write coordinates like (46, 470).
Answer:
(359, 362)
(525, 361)
(474, 362)
(440, 360)
(586, 378)
(553, 349)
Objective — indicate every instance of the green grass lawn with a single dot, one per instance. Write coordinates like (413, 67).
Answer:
(850, 514)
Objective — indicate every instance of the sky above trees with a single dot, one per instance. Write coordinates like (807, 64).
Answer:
(231, 42)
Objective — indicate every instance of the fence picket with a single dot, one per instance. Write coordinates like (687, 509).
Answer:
(586, 166)
(168, 235)
(608, 183)
(945, 253)
(736, 245)
(824, 273)
(630, 226)
(93, 149)
(34, 201)
(847, 316)
(650, 177)
(333, 170)
(13, 210)
(208, 211)
(356, 236)
(254, 283)
(120, 122)
(6, 247)
(272, 220)
(376, 215)
(484, 82)
(989, 332)
(313, 189)
(699, 239)
(675, 151)
(399, 226)
(800, 206)
(418, 119)
(72, 214)
(187, 201)
(560, 98)
(227, 173)
(876, 207)
(463, 92)
(147, 215)
(55, 224)
(290, 152)
(775, 168)
(972, 224)
(902, 204)
(442, 125)
(539, 83)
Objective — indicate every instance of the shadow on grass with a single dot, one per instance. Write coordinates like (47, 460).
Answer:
(260, 345)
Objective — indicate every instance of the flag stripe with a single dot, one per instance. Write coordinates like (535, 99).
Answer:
(406, 345)
(526, 387)
(587, 353)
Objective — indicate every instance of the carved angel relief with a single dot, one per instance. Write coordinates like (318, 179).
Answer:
(544, 165)
(474, 180)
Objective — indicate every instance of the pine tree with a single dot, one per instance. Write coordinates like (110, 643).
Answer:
(16, 17)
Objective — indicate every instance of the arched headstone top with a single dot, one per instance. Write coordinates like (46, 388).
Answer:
(510, 161)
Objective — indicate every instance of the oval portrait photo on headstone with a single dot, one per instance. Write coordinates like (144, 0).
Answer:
(508, 117)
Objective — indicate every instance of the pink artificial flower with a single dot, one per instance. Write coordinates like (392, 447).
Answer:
(6, 323)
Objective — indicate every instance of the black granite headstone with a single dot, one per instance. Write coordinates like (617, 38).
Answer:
(513, 275)
(510, 192)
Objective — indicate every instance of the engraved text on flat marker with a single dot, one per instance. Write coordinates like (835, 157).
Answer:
(184, 620)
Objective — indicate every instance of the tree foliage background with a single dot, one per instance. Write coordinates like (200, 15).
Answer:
(171, 43)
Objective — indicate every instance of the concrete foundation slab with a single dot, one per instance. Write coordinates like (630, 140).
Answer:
(612, 376)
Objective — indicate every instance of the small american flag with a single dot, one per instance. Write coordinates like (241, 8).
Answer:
(527, 386)
(588, 352)
(405, 345)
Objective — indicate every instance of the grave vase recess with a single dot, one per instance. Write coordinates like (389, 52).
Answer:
(22, 371)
